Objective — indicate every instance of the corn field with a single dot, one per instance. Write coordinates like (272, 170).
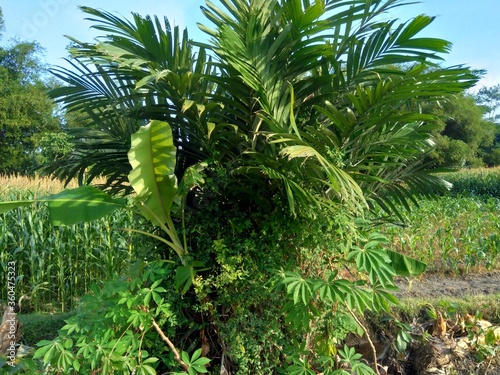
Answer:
(452, 234)
(457, 233)
(476, 182)
(57, 265)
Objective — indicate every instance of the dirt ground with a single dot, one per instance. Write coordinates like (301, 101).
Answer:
(431, 286)
(443, 351)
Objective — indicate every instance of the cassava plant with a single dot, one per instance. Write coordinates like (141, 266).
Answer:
(262, 147)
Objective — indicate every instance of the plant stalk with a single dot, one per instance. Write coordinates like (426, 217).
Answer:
(367, 334)
(172, 347)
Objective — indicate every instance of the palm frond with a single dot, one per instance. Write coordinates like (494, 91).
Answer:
(322, 97)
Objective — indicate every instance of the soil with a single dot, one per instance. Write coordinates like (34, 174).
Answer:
(431, 286)
(439, 346)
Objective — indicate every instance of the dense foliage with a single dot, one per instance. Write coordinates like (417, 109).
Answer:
(464, 138)
(26, 112)
(254, 157)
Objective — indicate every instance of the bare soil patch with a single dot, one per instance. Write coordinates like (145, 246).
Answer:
(434, 286)
(441, 346)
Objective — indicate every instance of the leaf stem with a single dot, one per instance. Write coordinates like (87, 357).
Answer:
(370, 342)
(172, 347)
(183, 219)
(169, 229)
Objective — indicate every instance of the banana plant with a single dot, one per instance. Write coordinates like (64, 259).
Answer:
(157, 192)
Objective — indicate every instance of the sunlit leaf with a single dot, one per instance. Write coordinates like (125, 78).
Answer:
(404, 265)
(152, 157)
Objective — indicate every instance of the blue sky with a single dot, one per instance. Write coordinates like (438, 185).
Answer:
(472, 26)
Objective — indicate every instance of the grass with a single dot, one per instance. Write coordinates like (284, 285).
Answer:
(484, 305)
(36, 327)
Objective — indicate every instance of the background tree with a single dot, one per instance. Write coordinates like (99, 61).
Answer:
(2, 24)
(26, 112)
(464, 137)
(489, 99)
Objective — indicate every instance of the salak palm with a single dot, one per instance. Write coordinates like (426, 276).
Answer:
(315, 100)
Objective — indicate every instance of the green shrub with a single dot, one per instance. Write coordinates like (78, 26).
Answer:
(37, 327)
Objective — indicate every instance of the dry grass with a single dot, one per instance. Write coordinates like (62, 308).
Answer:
(38, 185)
(43, 185)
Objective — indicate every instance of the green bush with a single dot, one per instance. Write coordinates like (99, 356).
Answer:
(37, 327)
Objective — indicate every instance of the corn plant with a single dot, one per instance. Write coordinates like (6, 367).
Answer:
(57, 265)
(451, 233)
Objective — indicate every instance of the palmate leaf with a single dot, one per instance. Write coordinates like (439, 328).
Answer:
(152, 157)
(357, 297)
(297, 316)
(300, 288)
(73, 206)
(373, 259)
(382, 297)
(333, 290)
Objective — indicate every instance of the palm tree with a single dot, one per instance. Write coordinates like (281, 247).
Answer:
(315, 100)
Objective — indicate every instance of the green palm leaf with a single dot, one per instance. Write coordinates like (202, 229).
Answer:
(309, 93)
